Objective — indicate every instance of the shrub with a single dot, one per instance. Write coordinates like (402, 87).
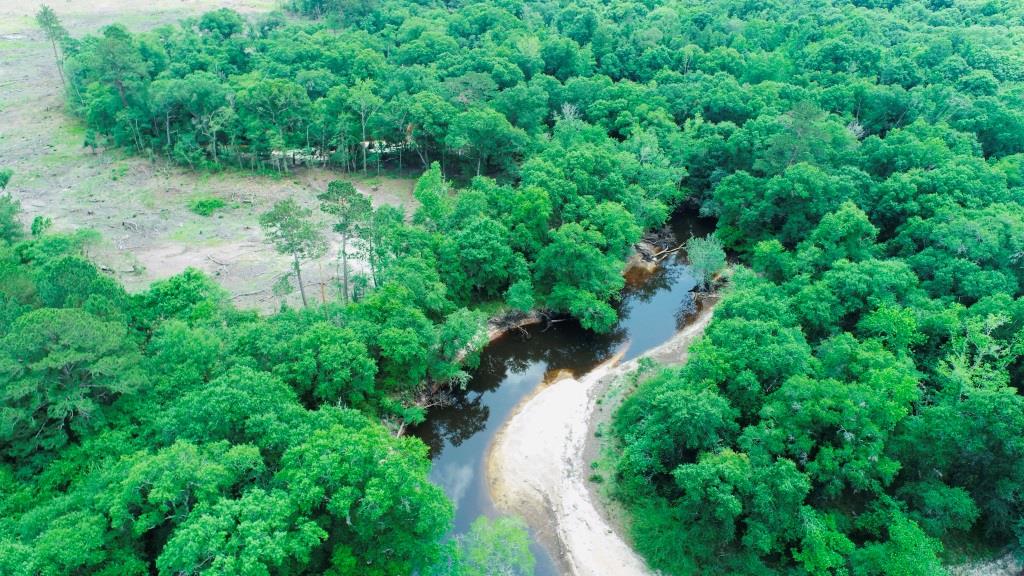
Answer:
(706, 258)
(205, 206)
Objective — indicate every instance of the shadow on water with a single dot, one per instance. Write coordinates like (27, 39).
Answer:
(652, 309)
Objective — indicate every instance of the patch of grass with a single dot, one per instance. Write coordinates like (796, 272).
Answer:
(118, 172)
(596, 478)
(206, 205)
(90, 186)
(13, 24)
(147, 197)
(195, 232)
(13, 42)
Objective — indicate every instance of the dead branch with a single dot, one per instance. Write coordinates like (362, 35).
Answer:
(549, 321)
(215, 261)
(659, 256)
(244, 294)
(116, 271)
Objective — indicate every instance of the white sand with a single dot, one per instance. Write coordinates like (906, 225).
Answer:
(537, 468)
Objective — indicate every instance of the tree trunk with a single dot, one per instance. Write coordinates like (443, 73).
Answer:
(423, 157)
(60, 64)
(372, 260)
(120, 92)
(298, 276)
(344, 266)
(323, 292)
(363, 143)
(136, 134)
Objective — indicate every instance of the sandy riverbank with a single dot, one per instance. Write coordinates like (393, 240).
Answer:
(538, 465)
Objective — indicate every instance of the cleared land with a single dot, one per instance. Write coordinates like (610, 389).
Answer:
(140, 207)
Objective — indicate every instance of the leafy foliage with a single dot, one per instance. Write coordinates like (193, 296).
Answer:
(289, 228)
(840, 415)
(706, 258)
(206, 206)
(166, 432)
(853, 408)
(500, 546)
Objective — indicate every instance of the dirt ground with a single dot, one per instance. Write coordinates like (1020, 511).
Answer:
(140, 207)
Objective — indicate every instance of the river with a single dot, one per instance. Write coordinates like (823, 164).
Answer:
(651, 310)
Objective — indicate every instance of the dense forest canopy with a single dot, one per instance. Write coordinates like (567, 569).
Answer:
(853, 408)
(594, 121)
(168, 432)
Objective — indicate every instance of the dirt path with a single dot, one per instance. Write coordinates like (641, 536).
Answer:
(538, 466)
(139, 207)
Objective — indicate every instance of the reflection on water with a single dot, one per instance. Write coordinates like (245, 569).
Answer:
(458, 435)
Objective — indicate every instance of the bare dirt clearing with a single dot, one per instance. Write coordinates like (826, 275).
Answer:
(141, 207)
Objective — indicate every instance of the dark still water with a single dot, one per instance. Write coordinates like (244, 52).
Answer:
(651, 311)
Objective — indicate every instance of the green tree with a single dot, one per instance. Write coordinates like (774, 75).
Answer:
(65, 370)
(908, 550)
(352, 210)
(477, 257)
(40, 225)
(485, 134)
(117, 59)
(55, 32)
(274, 113)
(500, 546)
(223, 23)
(71, 281)
(618, 226)
(320, 361)
(844, 234)
(364, 102)
(11, 229)
(147, 491)
(259, 533)
(365, 487)
(434, 195)
(668, 421)
(429, 118)
(706, 258)
(241, 405)
(576, 277)
(288, 227)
